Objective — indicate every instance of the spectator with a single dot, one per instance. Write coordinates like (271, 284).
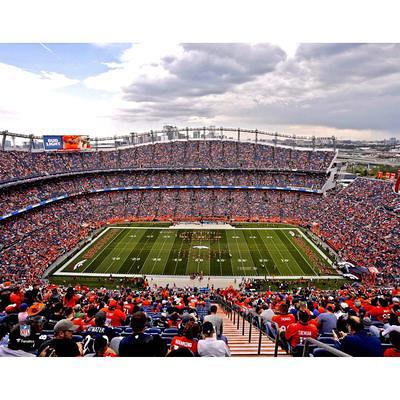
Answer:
(62, 345)
(327, 321)
(267, 313)
(28, 337)
(357, 342)
(188, 339)
(6, 351)
(114, 316)
(101, 348)
(100, 328)
(296, 333)
(210, 346)
(140, 344)
(217, 322)
(23, 313)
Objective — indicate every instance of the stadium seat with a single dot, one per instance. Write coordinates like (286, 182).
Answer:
(153, 331)
(172, 331)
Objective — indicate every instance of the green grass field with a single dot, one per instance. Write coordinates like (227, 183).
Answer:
(159, 250)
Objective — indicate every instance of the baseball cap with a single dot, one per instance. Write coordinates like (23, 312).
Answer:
(395, 300)
(65, 325)
(112, 303)
(11, 308)
(23, 307)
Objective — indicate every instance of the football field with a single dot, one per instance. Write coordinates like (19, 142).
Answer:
(151, 250)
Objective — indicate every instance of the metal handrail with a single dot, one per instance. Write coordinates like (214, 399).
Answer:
(317, 343)
(276, 339)
(233, 313)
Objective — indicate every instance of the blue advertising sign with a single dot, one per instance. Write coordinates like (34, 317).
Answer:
(53, 142)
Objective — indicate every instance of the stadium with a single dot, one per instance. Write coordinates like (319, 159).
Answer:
(164, 231)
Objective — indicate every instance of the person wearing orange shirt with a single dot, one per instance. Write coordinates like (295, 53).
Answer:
(283, 319)
(16, 297)
(114, 316)
(70, 298)
(381, 311)
(296, 333)
(129, 306)
(78, 322)
(188, 339)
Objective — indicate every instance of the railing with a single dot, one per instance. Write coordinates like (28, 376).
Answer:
(313, 342)
(171, 133)
(239, 318)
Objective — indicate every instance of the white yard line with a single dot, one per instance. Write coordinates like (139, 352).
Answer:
(282, 257)
(240, 255)
(140, 252)
(81, 251)
(310, 265)
(259, 252)
(326, 258)
(158, 256)
(104, 248)
(219, 256)
(179, 255)
(118, 255)
(61, 273)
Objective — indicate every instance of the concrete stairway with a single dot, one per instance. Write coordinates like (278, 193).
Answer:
(239, 344)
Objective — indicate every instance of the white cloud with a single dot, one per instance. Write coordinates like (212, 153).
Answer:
(346, 90)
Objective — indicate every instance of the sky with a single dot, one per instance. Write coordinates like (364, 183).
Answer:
(104, 89)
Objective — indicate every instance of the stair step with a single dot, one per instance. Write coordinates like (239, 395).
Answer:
(239, 345)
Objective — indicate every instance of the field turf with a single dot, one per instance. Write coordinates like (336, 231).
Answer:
(155, 250)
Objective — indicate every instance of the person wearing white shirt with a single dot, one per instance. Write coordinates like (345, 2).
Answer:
(210, 346)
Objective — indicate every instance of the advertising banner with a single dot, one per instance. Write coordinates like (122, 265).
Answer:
(66, 142)
(53, 142)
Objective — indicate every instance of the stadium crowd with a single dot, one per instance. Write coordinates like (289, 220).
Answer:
(360, 222)
(359, 320)
(14, 198)
(17, 165)
(48, 320)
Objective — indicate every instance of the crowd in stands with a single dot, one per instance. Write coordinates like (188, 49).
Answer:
(31, 242)
(362, 222)
(14, 198)
(359, 222)
(47, 320)
(17, 165)
(359, 320)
